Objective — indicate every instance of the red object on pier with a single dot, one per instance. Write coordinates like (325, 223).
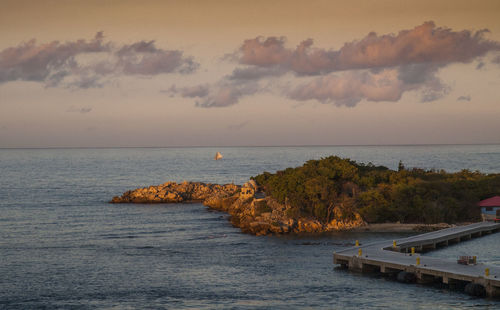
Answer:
(467, 260)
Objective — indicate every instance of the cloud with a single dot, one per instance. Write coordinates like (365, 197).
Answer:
(423, 78)
(425, 43)
(231, 88)
(228, 90)
(221, 94)
(201, 90)
(82, 110)
(88, 63)
(349, 88)
(226, 94)
(464, 98)
(146, 59)
(255, 73)
(264, 52)
(374, 68)
(85, 82)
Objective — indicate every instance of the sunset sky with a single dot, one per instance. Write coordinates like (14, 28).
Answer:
(228, 73)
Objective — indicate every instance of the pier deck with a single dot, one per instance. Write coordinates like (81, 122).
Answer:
(384, 257)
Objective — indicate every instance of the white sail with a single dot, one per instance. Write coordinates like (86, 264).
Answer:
(218, 156)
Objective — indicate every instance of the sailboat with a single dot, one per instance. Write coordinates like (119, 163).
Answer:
(218, 156)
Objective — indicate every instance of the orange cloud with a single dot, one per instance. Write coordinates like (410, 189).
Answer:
(425, 43)
(375, 68)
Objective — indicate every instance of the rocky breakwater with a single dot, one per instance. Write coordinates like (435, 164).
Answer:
(172, 192)
(259, 216)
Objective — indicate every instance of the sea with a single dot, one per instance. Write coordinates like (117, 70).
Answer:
(63, 246)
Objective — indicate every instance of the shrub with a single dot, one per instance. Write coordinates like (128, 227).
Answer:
(378, 193)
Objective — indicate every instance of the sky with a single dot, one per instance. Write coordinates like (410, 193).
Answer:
(147, 73)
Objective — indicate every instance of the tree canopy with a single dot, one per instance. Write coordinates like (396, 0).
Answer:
(321, 188)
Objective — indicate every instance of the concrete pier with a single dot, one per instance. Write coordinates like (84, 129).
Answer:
(392, 257)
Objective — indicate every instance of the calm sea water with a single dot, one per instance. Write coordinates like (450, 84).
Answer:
(63, 246)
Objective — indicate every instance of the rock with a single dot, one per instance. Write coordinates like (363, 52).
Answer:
(336, 224)
(260, 228)
(171, 192)
(256, 216)
(308, 226)
(285, 229)
(116, 199)
(266, 216)
(172, 196)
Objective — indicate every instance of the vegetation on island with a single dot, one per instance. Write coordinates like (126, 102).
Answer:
(320, 189)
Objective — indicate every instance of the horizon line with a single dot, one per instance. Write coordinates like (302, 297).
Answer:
(242, 146)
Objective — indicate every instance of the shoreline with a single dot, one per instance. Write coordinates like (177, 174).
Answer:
(259, 216)
(403, 228)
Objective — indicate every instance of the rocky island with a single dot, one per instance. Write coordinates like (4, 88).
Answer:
(333, 194)
(259, 216)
